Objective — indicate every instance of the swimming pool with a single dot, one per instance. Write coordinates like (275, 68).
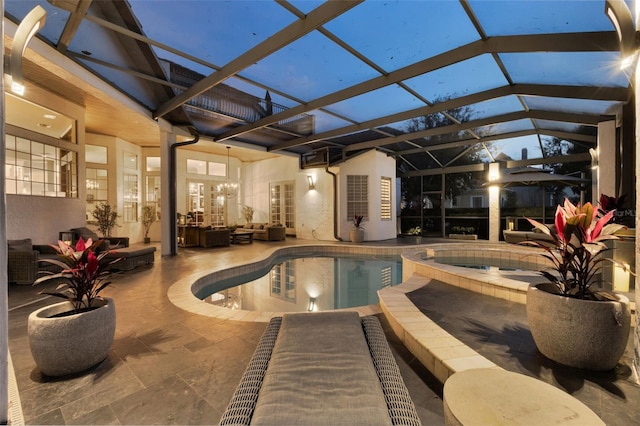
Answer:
(308, 283)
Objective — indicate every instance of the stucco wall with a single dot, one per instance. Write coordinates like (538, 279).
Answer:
(376, 165)
(314, 208)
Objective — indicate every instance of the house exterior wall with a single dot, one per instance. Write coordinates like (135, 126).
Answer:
(376, 165)
(41, 218)
(313, 207)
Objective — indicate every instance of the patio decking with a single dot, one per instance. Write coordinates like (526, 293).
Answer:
(170, 366)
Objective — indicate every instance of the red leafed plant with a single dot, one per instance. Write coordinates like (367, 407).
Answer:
(578, 242)
(357, 221)
(83, 272)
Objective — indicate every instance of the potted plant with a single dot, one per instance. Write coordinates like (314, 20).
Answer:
(357, 233)
(417, 231)
(76, 334)
(106, 218)
(571, 321)
(148, 217)
(463, 233)
(247, 212)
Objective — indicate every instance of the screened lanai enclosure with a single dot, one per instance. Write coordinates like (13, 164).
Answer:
(444, 87)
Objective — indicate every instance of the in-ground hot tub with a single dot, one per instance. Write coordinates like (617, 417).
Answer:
(507, 269)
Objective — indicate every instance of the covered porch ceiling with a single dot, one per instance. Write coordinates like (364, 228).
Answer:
(349, 76)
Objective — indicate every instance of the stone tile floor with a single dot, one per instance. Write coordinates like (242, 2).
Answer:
(168, 366)
(498, 330)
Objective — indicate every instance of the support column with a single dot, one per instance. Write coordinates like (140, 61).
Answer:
(4, 285)
(608, 161)
(636, 340)
(494, 203)
(167, 220)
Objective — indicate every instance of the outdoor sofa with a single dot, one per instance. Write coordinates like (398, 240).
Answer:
(23, 261)
(517, 237)
(324, 368)
(265, 231)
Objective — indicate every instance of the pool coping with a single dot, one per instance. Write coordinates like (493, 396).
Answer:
(439, 351)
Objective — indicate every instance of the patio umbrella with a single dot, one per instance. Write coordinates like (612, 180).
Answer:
(529, 176)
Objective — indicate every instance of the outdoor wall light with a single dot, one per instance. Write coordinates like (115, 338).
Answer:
(310, 181)
(29, 26)
(312, 304)
(620, 16)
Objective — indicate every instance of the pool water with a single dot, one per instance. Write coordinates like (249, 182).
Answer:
(311, 284)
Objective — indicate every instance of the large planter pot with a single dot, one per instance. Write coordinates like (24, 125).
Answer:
(356, 235)
(579, 333)
(73, 343)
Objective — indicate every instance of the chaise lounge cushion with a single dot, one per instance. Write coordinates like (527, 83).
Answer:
(132, 257)
(322, 368)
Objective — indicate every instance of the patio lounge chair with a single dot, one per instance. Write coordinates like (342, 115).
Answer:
(322, 368)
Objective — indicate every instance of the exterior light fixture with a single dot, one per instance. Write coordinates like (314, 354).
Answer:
(312, 305)
(29, 26)
(620, 15)
(311, 184)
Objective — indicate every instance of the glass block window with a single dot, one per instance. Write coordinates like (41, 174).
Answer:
(385, 198)
(358, 196)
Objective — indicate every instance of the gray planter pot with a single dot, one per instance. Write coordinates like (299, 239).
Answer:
(73, 343)
(579, 333)
(356, 235)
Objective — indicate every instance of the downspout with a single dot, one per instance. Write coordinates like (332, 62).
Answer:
(173, 190)
(335, 204)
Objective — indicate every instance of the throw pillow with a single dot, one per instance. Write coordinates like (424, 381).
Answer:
(20, 245)
(85, 233)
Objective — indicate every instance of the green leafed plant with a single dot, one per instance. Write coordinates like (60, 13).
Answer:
(148, 217)
(106, 218)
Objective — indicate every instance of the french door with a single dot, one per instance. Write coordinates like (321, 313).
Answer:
(282, 208)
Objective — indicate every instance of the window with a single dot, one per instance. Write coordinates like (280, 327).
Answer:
(97, 188)
(130, 161)
(152, 191)
(358, 196)
(385, 198)
(196, 203)
(217, 169)
(476, 202)
(153, 164)
(283, 275)
(201, 167)
(217, 206)
(131, 199)
(196, 167)
(35, 168)
(95, 154)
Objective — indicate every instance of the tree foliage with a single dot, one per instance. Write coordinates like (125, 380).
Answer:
(455, 184)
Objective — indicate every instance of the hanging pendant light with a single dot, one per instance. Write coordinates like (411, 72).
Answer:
(228, 189)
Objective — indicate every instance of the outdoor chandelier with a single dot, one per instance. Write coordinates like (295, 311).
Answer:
(29, 26)
(228, 189)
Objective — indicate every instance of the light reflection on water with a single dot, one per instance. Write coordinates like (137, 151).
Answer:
(313, 283)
